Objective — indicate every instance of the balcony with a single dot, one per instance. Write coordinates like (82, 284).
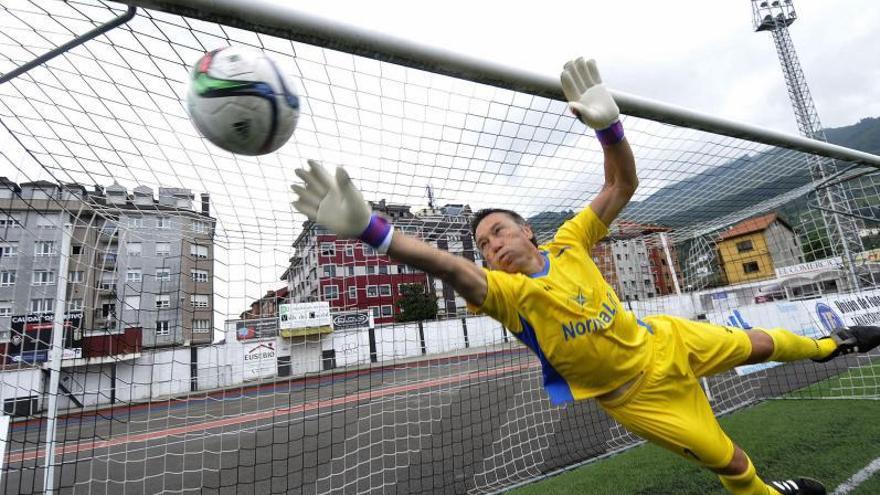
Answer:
(105, 260)
(108, 233)
(107, 287)
(126, 342)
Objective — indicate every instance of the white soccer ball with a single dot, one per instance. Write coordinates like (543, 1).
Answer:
(240, 100)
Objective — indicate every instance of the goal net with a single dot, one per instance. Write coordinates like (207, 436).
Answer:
(168, 323)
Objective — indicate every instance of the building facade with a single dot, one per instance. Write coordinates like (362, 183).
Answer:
(635, 260)
(753, 249)
(352, 276)
(138, 268)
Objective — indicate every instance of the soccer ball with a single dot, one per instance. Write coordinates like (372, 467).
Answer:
(241, 102)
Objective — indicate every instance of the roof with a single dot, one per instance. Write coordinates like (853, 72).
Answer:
(756, 224)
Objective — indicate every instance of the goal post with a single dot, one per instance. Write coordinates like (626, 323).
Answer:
(285, 21)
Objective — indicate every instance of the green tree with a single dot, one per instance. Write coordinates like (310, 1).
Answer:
(416, 304)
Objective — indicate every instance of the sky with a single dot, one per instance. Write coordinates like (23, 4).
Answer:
(701, 55)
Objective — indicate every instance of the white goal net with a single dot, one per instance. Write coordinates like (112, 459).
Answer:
(151, 283)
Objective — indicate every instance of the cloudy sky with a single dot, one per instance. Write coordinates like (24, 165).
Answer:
(697, 54)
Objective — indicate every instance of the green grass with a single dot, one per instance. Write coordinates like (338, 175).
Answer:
(828, 440)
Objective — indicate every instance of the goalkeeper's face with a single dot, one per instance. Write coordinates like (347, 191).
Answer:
(505, 244)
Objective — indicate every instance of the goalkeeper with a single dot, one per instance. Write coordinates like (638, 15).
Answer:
(643, 372)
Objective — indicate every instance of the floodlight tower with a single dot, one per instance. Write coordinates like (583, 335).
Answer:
(843, 230)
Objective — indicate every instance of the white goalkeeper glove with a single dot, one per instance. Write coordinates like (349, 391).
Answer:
(590, 101)
(338, 205)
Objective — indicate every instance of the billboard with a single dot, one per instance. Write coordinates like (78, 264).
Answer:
(31, 337)
(256, 329)
(302, 319)
(353, 319)
(259, 360)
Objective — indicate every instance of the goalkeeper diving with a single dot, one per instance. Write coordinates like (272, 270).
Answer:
(644, 372)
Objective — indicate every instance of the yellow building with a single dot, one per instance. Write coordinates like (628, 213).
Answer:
(752, 249)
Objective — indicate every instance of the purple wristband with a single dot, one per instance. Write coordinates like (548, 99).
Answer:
(376, 232)
(612, 134)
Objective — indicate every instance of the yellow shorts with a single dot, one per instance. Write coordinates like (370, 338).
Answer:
(666, 405)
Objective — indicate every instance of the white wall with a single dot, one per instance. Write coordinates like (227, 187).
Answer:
(20, 383)
(153, 375)
(90, 385)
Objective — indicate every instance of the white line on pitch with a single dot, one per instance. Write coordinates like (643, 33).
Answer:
(858, 478)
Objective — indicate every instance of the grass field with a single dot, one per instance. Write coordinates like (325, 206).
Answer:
(829, 440)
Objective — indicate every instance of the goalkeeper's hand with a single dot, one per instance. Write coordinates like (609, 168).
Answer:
(587, 97)
(338, 205)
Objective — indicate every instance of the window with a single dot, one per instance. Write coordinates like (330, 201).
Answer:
(135, 222)
(8, 249)
(199, 227)
(744, 246)
(387, 310)
(328, 249)
(75, 277)
(8, 221)
(75, 304)
(132, 303)
(375, 311)
(368, 250)
(163, 274)
(45, 222)
(383, 269)
(199, 300)
(134, 275)
(201, 326)
(198, 251)
(349, 270)
(385, 290)
(7, 279)
(353, 293)
(162, 328)
(42, 305)
(751, 267)
(134, 248)
(329, 270)
(198, 275)
(647, 283)
(372, 291)
(331, 292)
(5, 308)
(163, 249)
(76, 249)
(44, 248)
(163, 301)
(371, 269)
(349, 251)
(163, 222)
(43, 277)
(402, 269)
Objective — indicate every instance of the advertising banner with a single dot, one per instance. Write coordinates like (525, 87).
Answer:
(256, 329)
(31, 337)
(260, 360)
(304, 319)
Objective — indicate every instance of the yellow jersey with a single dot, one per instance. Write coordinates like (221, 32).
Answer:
(568, 315)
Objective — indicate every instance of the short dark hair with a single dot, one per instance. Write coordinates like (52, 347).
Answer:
(480, 215)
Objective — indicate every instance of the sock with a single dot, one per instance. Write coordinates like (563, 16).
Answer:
(747, 483)
(788, 346)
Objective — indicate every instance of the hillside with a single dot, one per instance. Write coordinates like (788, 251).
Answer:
(742, 179)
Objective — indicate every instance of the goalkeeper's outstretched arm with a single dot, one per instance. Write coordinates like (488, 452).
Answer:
(337, 204)
(594, 106)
